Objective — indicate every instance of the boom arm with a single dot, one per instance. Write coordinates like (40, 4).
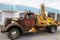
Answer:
(42, 14)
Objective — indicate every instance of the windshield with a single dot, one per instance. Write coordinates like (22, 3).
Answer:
(22, 15)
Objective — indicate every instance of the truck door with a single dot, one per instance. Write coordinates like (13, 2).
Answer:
(29, 20)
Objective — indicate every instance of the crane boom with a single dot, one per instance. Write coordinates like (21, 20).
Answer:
(42, 14)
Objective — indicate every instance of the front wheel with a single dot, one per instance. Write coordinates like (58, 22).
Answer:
(13, 33)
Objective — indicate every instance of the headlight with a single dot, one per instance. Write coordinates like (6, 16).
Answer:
(12, 22)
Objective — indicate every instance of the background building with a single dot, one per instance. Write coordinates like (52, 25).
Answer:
(13, 11)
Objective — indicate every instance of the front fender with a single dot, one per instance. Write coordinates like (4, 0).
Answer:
(9, 26)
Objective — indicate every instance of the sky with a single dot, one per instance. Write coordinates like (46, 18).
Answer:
(34, 3)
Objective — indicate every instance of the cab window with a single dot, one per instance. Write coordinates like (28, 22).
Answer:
(29, 16)
(22, 15)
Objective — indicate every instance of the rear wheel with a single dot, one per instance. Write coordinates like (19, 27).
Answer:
(14, 33)
(52, 29)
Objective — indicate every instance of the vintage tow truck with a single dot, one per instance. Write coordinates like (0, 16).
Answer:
(29, 22)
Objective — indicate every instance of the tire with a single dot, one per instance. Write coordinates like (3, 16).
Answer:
(14, 33)
(52, 29)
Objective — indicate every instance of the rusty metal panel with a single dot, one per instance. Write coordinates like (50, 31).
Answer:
(8, 21)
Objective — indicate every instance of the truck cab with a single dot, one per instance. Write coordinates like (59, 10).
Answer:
(28, 19)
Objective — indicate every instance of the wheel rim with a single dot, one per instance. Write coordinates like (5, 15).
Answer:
(53, 29)
(14, 34)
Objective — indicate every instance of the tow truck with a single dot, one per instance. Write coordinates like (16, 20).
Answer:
(29, 22)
